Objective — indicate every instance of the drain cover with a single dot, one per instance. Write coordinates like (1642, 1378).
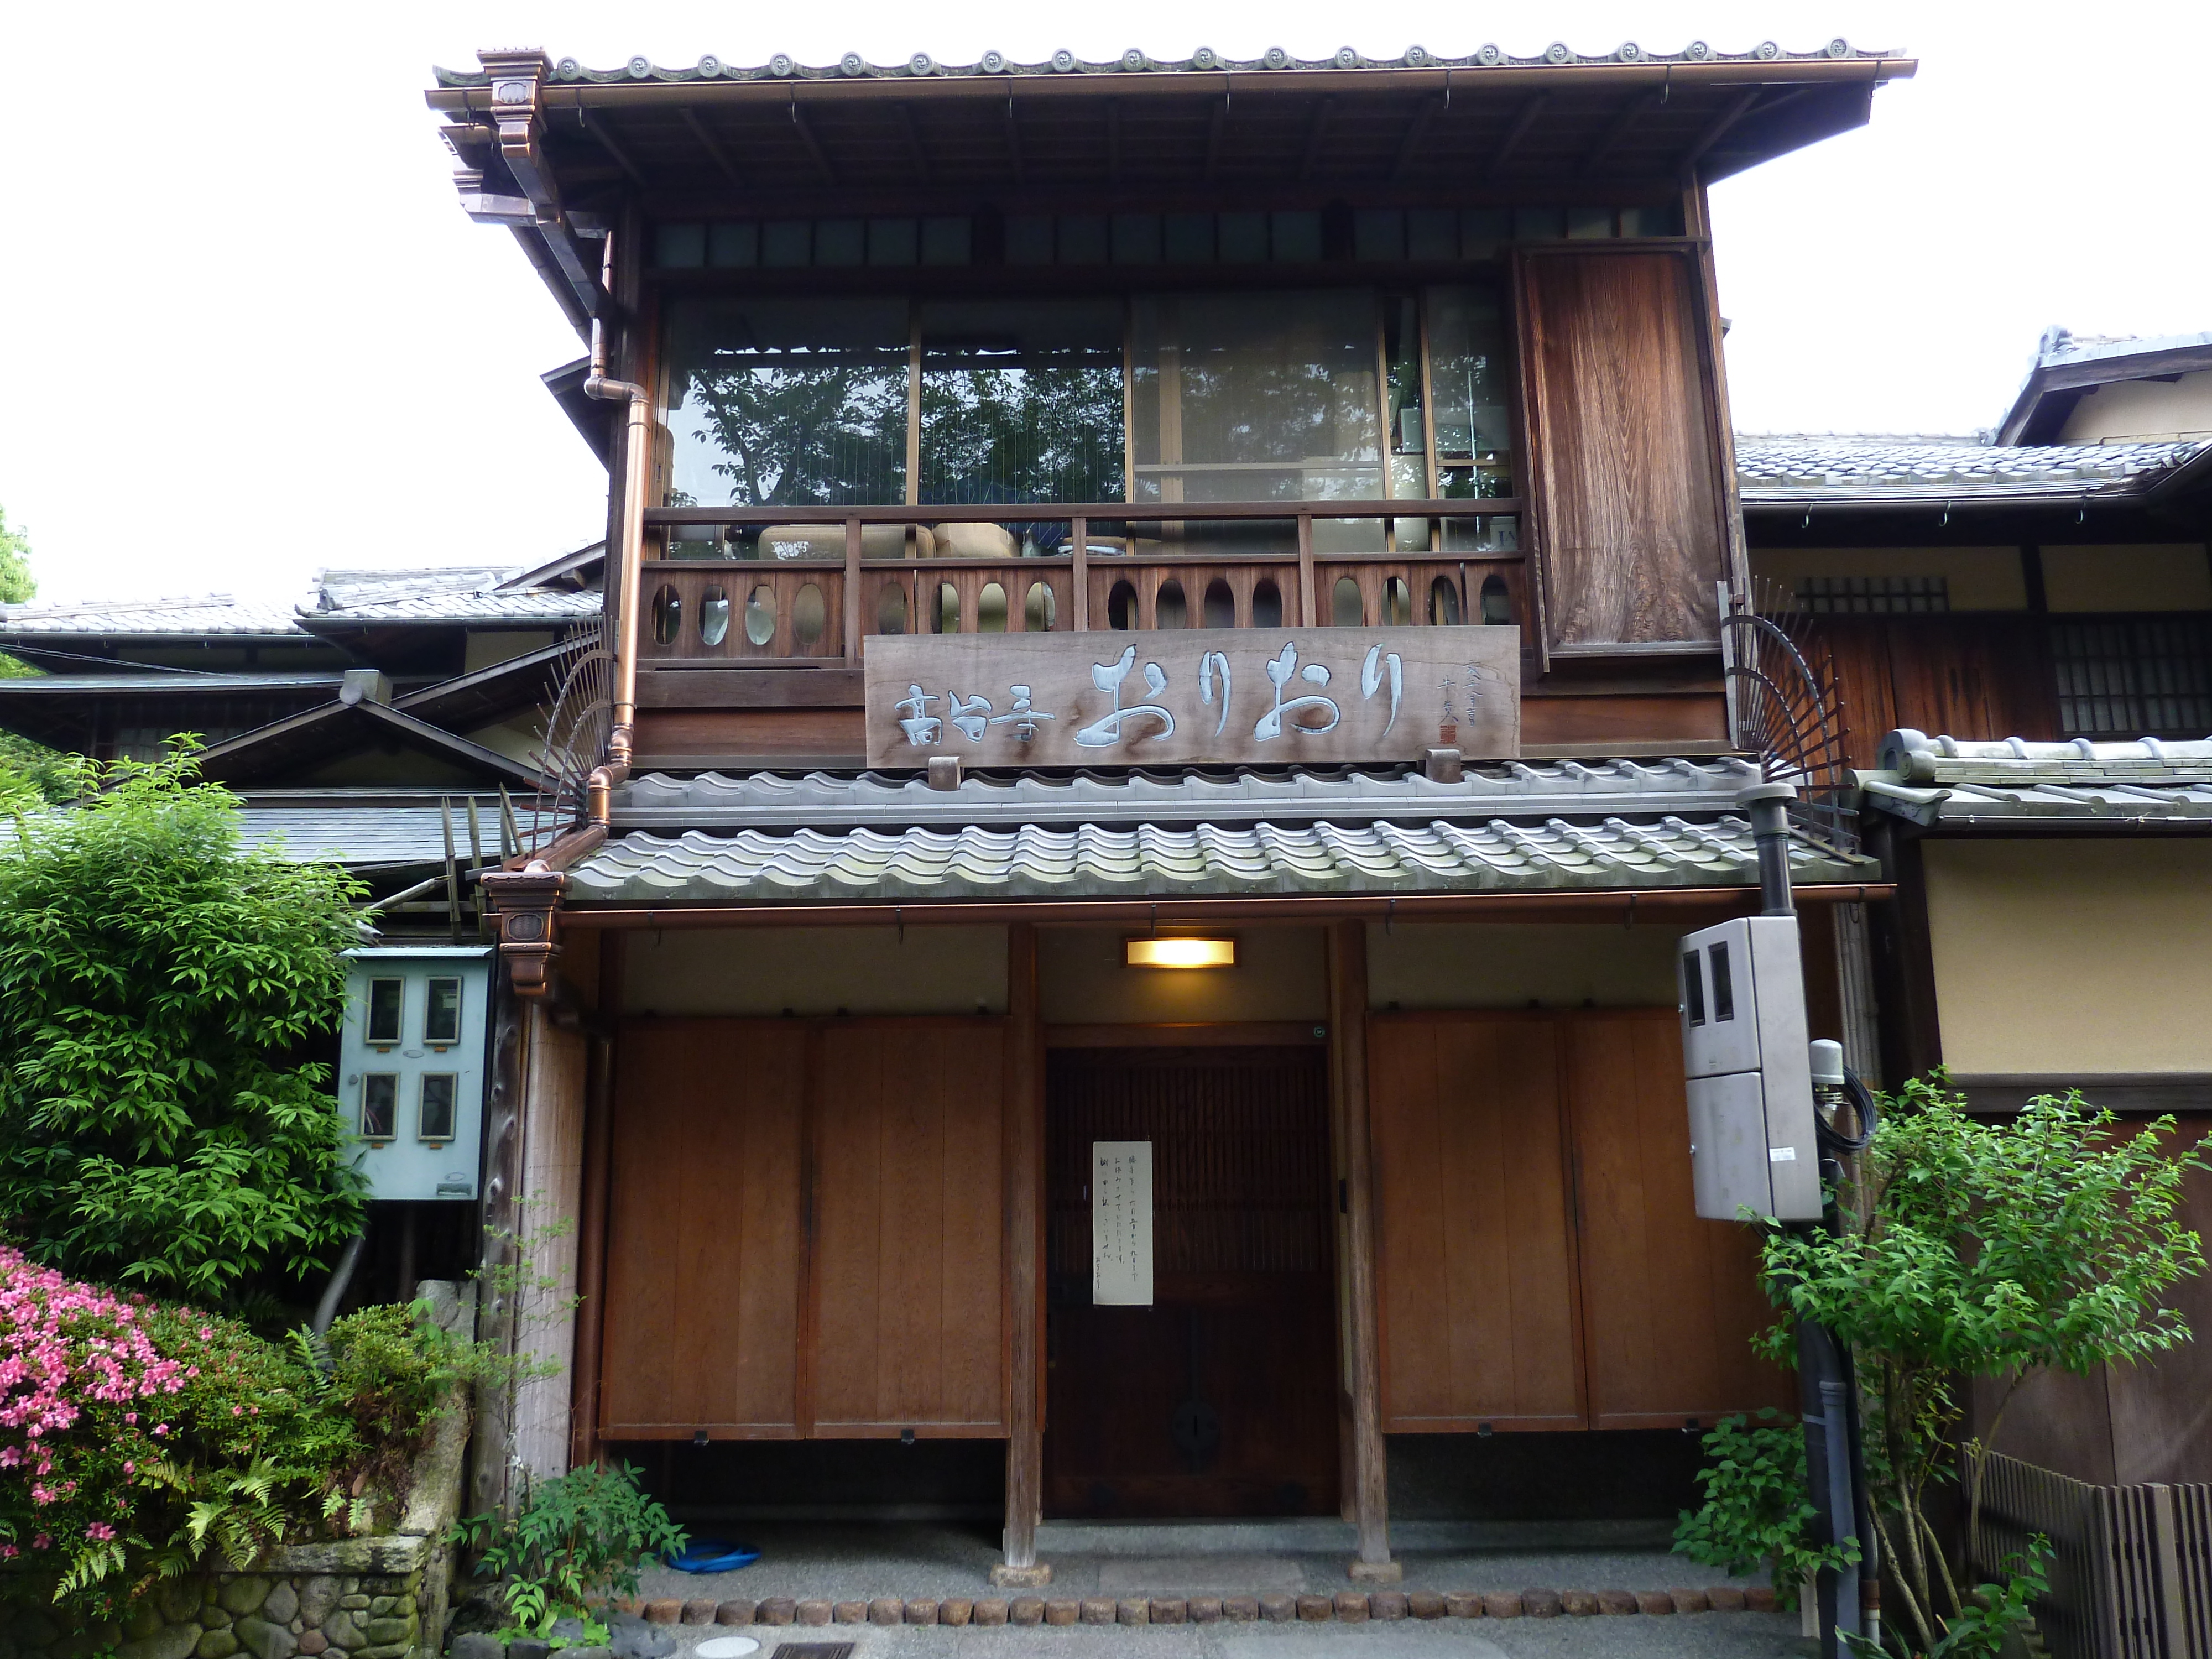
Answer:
(814, 1650)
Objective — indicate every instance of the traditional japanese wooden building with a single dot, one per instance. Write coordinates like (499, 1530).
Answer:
(1170, 636)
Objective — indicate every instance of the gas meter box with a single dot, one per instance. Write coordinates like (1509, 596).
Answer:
(1750, 1080)
(412, 1067)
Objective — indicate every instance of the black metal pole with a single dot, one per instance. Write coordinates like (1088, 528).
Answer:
(1824, 1372)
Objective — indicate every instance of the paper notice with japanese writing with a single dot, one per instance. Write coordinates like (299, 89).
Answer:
(1121, 1224)
(1183, 697)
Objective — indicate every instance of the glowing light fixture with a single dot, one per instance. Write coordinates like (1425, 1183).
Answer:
(1182, 951)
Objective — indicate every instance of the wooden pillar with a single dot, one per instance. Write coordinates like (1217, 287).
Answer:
(550, 1197)
(592, 1252)
(488, 1486)
(1347, 1018)
(1024, 1265)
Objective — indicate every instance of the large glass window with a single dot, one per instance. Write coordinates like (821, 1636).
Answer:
(788, 403)
(1021, 401)
(1256, 397)
(1468, 377)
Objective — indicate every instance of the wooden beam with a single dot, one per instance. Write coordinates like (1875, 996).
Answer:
(1529, 113)
(912, 129)
(1013, 140)
(1637, 109)
(598, 128)
(805, 131)
(1416, 130)
(1316, 135)
(1718, 129)
(1347, 1023)
(712, 146)
(1113, 142)
(1025, 1287)
(1214, 123)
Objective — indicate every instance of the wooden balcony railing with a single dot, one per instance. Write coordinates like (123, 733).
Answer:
(798, 598)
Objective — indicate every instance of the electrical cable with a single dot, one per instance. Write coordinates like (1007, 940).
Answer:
(1834, 1141)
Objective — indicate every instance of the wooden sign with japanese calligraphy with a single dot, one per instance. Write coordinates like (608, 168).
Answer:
(1196, 697)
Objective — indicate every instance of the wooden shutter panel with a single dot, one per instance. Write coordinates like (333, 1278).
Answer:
(1670, 1301)
(1475, 1253)
(702, 1276)
(1625, 451)
(909, 1229)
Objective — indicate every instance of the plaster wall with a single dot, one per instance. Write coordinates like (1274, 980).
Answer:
(1976, 578)
(1510, 964)
(2155, 577)
(1281, 974)
(2143, 411)
(816, 970)
(2074, 958)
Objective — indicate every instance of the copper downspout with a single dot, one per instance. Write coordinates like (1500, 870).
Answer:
(598, 788)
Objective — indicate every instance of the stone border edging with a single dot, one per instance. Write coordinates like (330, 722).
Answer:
(1345, 1606)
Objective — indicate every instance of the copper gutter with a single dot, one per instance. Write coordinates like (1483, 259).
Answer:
(629, 553)
(1612, 904)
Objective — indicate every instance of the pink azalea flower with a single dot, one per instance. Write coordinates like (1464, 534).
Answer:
(100, 1532)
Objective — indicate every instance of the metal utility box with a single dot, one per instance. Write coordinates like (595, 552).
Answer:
(1750, 1078)
(411, 1066)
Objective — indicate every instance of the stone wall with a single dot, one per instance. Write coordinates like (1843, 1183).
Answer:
(366, 1598)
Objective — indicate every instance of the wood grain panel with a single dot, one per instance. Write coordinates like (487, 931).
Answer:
(908, 1243)
(1625, 444)
(704, 1270)
(1983, 677)
(1474, 1259)
(1669, 1301)
(761, 732)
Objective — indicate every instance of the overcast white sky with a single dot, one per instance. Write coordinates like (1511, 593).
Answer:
(249, 333)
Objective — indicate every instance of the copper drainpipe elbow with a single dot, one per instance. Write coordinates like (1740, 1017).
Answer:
(630, 554)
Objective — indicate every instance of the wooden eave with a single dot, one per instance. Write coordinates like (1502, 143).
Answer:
(2038, 414)
(479, 698)
(334, 730)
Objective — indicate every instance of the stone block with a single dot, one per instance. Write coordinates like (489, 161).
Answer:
(1654, 1602)
(211, 1615)
(176, 1641)
(478, 1644)
(920, 1611)
(1278, 1609)
(955, 1610)
(1352, 1608)
(313, 1642)
(813, 1611)
(1206, 1609)
(1502, 1604)
(1036, 1610)
(180, 1598)
(338, 1625)
(382, 1607)
(245, 1594)
(1540, 1604)
(1424, 1604)
(1133, 1610)
(390, 1650)
(353, 1600)
(776, 1610)
(1583, 1604)
(1315, 1609)
(1760, 1598)
(840, 1612)
(886, 1610)
(1689, 1601)
(1169, 1610)
(1387, 1605)
(737, 1611)
(318, 1595)
(1616, 1601)
(283, 1605)
(381, 1631)
(145, 1620)
(264, 1640)
(1463, 1604)
(1725, 1598)
(991, 1611)
(697, 1611)
(663, 1610)
(587, 1653)
(528, 1647)
(1096, 1610)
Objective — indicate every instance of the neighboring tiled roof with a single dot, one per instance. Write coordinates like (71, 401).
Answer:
(182, 682)
(822, 800)
(1089, 862)
(1204, 61)
(478, 593)
(206, 613)
(1810, 468)
(381, 830)
(1508, 827)
(1947, 780)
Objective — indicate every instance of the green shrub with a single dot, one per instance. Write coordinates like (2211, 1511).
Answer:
(575, 1540)
(1757, 1511)
(155, 983)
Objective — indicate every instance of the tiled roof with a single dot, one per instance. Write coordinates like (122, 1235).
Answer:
(1809, 468)
(1034, 862)
(474, 593)
(378, 831)
(206, 613)
(1204, 61)
(1963, 783)
(822, 800)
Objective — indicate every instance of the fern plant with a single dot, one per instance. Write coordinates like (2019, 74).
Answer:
(575, 1540)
